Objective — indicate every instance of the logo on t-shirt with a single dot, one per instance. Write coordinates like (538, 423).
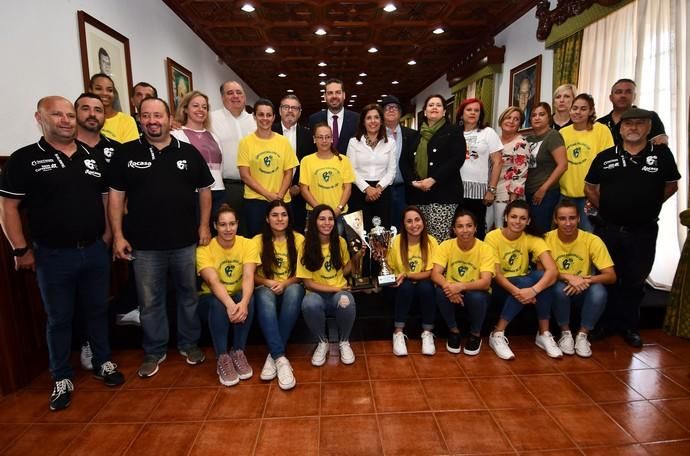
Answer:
(461, 270)
(182, 164)
(326, 175)
(91, 168)
(328, 267)
(512, 261)
(108, 153)
(570, 263)
(230, 272)
(268, 161)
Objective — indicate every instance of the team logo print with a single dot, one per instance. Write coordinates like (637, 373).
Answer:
(138, 165)
(327, 175)
(90, 164)
(651, 160)
(229, 269)
(108, 153)
(576, 152)
(279, 262)
(267, 161)
(462, 270)
(327, 265)
(567, 263)
(182, 164)
(413, 266)
(512, 258)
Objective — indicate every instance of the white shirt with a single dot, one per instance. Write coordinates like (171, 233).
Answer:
(377, 164)
(475, 171)
(230, 130)
(216, 173)
(398, 151)
(290, 134)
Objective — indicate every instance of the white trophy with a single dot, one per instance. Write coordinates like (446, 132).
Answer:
(380, 241)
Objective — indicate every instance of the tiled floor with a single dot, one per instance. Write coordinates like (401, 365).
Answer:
(619, 402)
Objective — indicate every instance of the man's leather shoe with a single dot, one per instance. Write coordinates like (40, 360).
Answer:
(633, 338)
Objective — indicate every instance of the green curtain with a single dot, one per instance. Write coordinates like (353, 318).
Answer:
(566, 60)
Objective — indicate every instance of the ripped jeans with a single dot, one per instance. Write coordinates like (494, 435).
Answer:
(316, 306)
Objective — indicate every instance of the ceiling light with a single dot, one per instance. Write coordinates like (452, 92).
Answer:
(412, 62)
(247, 8)
(322, 90)
(320, 31)
(359, 83)
(290, 90)
(322, 64)
(438, 30)
(282, 75)
(353, 96)
(270, 50)
(350, 105)
(323, 83)
(383, 95)
(395, 83)
(379, 100)
(373, 50)
(323, 101)
(362, 74)
(389, 8)
(322, 75)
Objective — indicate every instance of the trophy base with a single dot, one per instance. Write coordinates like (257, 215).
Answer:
(386, 280)
(361, 284)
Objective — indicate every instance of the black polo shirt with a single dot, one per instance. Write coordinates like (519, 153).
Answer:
(63, 195)
(106, 149)
(657, 126)
(632, 187)
(161, 189)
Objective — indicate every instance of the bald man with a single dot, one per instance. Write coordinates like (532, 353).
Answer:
(60, 182)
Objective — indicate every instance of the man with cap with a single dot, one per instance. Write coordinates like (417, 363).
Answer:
(629, 183)
(622, 98)
(404, 139)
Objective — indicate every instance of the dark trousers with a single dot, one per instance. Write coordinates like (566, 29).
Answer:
(380, 207)
(632, 250)
(398, 205)
(234, 196)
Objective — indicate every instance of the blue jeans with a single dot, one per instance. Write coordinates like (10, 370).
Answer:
(592, 302)
(74, 279)
(541, 215)
(151, 269)
(585, 224)
(476, 304)
(405, 295)
(512, 307)
(398, 205)
(277, 327)
(316, 305)
(219, 324)
(254, 215)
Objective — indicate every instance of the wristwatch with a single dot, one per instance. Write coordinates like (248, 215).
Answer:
(20, 252)
(492, 190)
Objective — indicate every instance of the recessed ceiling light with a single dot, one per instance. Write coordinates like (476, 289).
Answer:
(373, 50)
(322, 75)
(379, 100)
(323, 83)
(322, 64)
(282, 75)
(395, 83)
(438, 30)
(353, 96)
(320, 31)
(362, 74)
(359, 83)
(389, 8)
(247, 8)
(290, 90)
(350, 105)
(383, 95)
(270, 50)
(412, 62)
(322, 90)
(323, 101)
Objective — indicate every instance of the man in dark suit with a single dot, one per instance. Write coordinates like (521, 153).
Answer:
(301, 141)
(404, 139)
(342, 121)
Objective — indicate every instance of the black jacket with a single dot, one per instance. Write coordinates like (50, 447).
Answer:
(305, 144)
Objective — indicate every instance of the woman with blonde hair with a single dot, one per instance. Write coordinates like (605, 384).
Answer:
(563, 98)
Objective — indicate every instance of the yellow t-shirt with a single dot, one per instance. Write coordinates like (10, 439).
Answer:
(325, 178)
(227, 262)
(280, 273)
(414, 257)
(578, 257)
(582, 147)
(326, 275)
(121, 127)
(514, 256)
(465, 266)
(267, 160)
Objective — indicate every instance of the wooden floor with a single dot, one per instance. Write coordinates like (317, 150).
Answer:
(619, 402)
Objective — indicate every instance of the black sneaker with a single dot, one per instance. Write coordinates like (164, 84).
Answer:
(109, 374)
(62, 394)
(633, 338)
(453, 342)
(473, 345)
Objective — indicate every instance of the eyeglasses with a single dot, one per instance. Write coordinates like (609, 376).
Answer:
(324, 138)
(290, 108)
(391, 107)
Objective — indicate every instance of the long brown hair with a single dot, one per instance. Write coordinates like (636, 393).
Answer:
(312, 257)
(269, 261)
(423, 239)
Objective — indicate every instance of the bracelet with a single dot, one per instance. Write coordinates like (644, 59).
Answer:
(492, 190)
(535, 291)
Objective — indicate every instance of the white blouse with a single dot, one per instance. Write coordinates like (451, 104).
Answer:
(377, 164)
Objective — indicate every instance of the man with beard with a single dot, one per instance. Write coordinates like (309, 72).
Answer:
(343, 122)
(628, 183)
(161, 177)
(60, 182)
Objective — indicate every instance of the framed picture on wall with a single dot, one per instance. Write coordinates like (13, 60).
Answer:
(179, 82)
(525, 86)
(103, 50)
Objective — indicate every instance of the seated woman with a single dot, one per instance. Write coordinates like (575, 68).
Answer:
(277, 285)
(519, 285)
(576, 253)
(227, 266)
(323, 264)
(463, 268)
(410, 258)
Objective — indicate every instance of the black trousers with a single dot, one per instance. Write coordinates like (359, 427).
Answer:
(632, 250)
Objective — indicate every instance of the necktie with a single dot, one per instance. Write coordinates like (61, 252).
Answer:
(335, 131)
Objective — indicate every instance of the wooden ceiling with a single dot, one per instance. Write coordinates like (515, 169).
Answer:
(352, 27)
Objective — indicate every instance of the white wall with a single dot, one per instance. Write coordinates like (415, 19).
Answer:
(40, 55)
(439, 86)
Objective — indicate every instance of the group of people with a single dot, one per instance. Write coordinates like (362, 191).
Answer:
(253, 205)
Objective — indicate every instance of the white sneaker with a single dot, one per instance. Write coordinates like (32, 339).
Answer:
(566, 343)
(269, 372)
(399, 346)
(347, 356)
(545, 342)
(86, 357)
(131, 318)
(286, 379)
(428, 346)
(319, 356)
(582, 345)
(499, 344)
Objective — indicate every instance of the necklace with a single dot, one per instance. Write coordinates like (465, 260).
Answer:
(371, 142)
